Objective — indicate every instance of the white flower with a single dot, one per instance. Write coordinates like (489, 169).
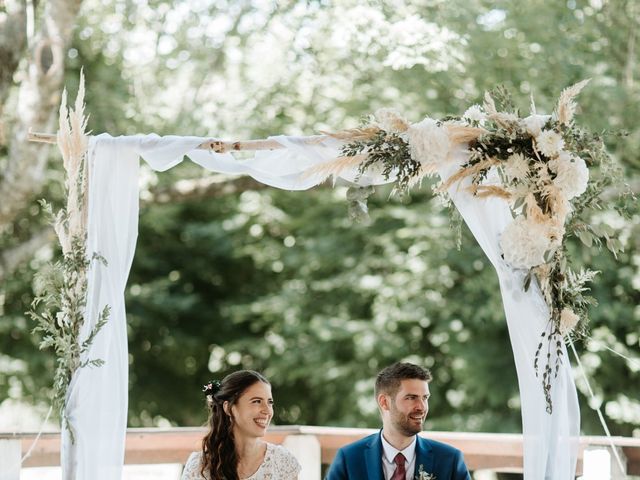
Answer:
(428, 143)
(422, 475)
(568, 320)
(516, 167)
(524, 243)
(475, 113)
(390, 120)
(549, 143)
(533, 124)
(572, 174)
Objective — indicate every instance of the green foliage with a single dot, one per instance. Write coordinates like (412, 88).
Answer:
(59, 309)
(390, 153)
(319, 314)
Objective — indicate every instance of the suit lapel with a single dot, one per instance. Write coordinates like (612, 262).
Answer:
(423, 456)
(373, 458)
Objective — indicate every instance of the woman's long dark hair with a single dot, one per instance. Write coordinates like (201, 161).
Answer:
(219, 456)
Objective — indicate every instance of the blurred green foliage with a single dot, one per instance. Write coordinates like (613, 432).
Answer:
(283, 282)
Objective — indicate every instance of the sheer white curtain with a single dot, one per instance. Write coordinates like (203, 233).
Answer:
(97, 407)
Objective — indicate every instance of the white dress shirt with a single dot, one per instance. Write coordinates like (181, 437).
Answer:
(389, 452)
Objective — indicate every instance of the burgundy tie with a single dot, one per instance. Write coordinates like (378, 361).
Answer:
(400, 473)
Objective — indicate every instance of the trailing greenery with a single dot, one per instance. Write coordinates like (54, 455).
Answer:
(59, 308)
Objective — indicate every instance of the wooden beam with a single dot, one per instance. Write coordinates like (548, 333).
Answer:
(493, 451)
(218, 146)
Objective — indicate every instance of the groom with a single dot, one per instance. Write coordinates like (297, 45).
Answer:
(397, 452)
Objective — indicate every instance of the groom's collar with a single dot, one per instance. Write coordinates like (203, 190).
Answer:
(373, 456)
(390, 452)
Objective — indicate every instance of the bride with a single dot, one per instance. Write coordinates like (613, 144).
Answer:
(240, 409)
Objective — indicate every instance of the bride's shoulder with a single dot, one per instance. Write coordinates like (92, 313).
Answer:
(278, 450)
(283, 458)
(194, 458)
(192, 467)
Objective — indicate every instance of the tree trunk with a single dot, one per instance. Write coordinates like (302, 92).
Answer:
(23, 170)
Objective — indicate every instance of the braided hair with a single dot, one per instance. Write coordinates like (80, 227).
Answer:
(219, 456)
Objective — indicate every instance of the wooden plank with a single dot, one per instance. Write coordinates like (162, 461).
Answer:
(166, 446)
(500, 452)
(46, 451)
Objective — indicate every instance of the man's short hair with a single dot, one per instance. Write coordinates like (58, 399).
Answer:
(388, 380)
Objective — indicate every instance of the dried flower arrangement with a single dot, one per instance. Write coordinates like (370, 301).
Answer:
(540, 164)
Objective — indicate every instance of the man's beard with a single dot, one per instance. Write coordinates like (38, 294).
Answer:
(404, 424)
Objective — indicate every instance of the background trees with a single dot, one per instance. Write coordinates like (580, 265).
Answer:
(230, 275)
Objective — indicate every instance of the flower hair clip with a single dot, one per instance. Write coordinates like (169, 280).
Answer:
(211, 388)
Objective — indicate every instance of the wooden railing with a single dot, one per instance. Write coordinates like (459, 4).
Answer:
(313, 446)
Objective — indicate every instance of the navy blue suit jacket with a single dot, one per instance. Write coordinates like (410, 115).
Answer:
(362, 460)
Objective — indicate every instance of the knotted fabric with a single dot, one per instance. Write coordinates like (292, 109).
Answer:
(400, 473)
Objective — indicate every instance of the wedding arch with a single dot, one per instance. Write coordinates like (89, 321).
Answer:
(520, 184)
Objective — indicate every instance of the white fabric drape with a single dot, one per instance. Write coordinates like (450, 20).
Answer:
(97, 397)
(97, 404)
(550, 441)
